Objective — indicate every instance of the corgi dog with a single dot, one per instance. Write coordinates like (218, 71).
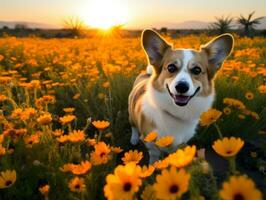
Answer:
(177, 88)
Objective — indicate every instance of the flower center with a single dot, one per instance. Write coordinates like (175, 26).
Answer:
(127, 187)
(8, 183)
(239, 197)
(174, 189)
(102, 154)
(229, 151)
(77, 186)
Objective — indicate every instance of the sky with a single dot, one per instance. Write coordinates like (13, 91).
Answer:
(133, 13)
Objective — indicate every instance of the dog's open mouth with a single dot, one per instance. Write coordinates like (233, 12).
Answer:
(181, 100)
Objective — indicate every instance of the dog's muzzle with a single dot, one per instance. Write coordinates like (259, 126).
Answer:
(181, 100)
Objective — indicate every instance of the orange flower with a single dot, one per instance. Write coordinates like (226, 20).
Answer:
(77, 169)
(132, 156)
(31, 140)
(228, 147)
(76, 136)
(101, 124)
(151, 137)
(209, 117)
(77, 185)
(116, 149)
(171, 184)
(67, 119)
(91, 142)
(58, 132)
(249, 96)
(69, 110)
(45, 119)
(44, 190)
(165, 141)
(227, 111)
(2, 150)
(147, 171)
(123, 183)
(101, 154)
(182, 157)
(161, 164)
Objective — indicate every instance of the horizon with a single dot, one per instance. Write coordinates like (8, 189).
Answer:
(95, 15)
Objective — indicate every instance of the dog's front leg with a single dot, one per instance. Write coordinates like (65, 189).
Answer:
(134, 136)
(154, 152)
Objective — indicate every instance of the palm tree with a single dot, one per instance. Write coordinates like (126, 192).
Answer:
(222, 24)
(248, 23)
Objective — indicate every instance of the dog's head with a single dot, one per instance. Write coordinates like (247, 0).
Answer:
(185, 73)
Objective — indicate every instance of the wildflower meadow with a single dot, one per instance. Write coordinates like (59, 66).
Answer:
(64, 130)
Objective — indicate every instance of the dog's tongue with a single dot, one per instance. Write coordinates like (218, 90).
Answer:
(180, 99)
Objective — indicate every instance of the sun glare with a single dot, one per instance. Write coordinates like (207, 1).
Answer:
(105, 14)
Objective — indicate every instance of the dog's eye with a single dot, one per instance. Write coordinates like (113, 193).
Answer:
(171, 68)
(196, 70)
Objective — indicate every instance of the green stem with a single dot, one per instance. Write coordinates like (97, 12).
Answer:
(218, 130)
(232, 165)
(100, 135)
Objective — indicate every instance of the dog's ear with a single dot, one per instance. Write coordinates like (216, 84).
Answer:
(155, 47)
(217, 51)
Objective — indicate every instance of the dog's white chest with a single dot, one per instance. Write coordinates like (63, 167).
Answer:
(169, 119)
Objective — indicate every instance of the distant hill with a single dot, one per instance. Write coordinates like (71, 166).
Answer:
(192, 24)
(12, 24)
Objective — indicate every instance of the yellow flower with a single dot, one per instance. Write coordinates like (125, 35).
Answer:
(77, 185)
(44, 190)
(101, 124)
(240, 188)
(227, 111)
(7, 178)
(132, 156)
(151, 137)
(171, 184)
(101, 154)
(165, 141)
(45, 119)
(249, 96)
(123, 183)
(209, 117)
(228, 147)
(67, 119)
(182, 158)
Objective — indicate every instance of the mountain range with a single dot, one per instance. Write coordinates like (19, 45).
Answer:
(192, 24)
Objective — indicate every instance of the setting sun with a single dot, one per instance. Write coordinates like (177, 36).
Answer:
(105, 14)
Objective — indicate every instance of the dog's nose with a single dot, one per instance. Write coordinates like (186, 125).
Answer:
(182, 87)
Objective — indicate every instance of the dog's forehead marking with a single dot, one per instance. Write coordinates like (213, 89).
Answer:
(187, 56)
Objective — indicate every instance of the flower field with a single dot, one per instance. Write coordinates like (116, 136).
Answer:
(64, 130)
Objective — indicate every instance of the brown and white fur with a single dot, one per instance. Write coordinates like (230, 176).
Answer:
(176, 89)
